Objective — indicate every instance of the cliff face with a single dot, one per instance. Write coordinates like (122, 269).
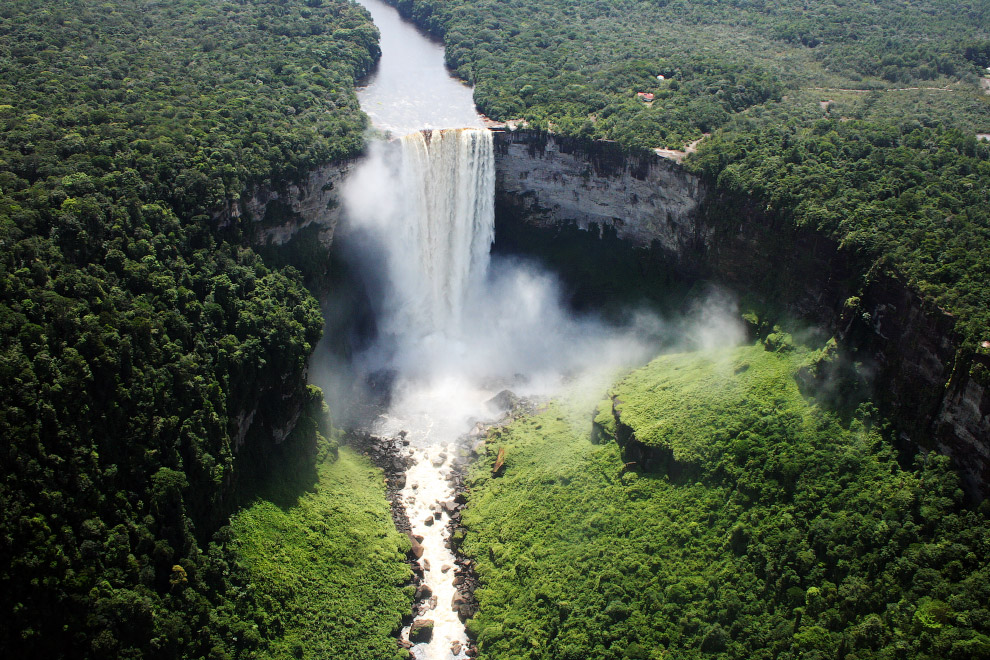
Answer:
(921, 377)
(277, 218)
(278, 213)
(649, 201)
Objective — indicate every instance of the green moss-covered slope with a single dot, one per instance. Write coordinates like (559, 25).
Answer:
(795, 536)
(330, 567)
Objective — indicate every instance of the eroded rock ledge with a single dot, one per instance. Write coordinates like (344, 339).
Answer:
(278, 212)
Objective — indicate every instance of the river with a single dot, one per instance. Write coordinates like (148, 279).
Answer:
(410, 91)
(411, 88)
(453, 326)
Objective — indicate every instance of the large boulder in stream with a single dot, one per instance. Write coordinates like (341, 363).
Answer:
(415, 547)
(421, 631)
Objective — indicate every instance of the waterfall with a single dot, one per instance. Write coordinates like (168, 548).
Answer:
(439, 233)
(427, 201)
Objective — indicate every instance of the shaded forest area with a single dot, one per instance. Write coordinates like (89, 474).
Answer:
(146, 358)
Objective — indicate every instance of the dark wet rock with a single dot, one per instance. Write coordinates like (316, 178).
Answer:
(455, 647)
(418, 537)
(504, 401)
(423, 592)
(421, 631)
(380, 385)
(416, 549)
(461, 603)
(429, 521)
(445, 568)
(450, 507)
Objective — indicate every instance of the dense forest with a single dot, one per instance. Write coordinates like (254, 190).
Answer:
(149, 354)
(856, 118)
(722, 513)
(145, 355)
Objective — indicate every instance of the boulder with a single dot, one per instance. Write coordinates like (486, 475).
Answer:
(423, 592)
(421, 631)
(503, 401)
(463, 606)
(416, 548)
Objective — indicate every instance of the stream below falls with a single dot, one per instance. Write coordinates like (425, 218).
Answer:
(452, 326)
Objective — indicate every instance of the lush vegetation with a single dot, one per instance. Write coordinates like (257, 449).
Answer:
(775, 530)
(146, 357)
(857, 118)
(328, 569)
(914, 194)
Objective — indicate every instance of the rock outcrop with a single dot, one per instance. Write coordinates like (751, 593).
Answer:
(277, 212)
(421, 631)
(648, 200)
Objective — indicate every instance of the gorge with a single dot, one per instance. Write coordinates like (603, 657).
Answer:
(673, 220)
(301, 357)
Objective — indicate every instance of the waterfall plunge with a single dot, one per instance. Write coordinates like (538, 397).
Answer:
(437, 228)
(428, 201)
(452, 334)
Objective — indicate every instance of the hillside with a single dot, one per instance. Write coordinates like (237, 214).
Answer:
(720, 513)
(148, 360)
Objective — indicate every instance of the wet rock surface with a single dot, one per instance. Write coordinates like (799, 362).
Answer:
(394, 458)
(421, 631)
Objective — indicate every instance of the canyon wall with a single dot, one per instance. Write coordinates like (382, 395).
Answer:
(922, 377)
(277, 213)
(937, 392)
(289, 222)
(647, 200)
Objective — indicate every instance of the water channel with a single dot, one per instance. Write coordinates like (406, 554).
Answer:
(453, 327)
